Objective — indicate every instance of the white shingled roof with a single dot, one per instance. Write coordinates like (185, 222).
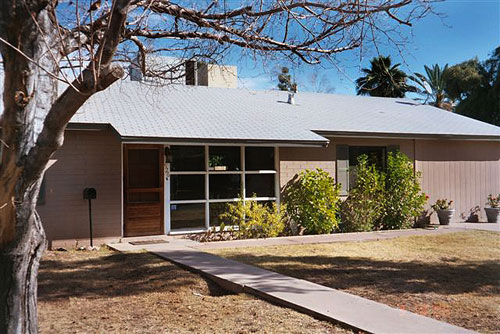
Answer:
(177, 112)
(202, 113)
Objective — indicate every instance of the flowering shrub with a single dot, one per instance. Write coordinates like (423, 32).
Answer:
(253, 219)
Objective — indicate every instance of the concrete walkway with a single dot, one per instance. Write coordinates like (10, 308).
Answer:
(304, 296)
(338, 237)
(475, 226)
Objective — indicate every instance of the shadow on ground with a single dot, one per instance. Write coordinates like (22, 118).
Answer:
(450, 276)
(94, 275)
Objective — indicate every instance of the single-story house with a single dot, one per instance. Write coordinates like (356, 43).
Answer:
(165, 160)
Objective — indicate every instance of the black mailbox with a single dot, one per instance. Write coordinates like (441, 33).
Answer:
(89, 193)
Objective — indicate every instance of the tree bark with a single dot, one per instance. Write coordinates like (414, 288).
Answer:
(29, 93)
(19, 263)
(33, 123)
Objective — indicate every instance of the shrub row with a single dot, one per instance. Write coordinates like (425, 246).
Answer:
(379, 199)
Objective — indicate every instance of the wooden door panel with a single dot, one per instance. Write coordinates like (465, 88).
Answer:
(143, 190)
(138, 210)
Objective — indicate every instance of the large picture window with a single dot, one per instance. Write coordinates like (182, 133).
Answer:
(204, 179)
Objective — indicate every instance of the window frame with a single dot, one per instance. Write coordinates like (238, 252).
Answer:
(344, 157)
(207, 172)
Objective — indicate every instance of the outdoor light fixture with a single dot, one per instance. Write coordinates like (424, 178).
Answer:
(168, 155)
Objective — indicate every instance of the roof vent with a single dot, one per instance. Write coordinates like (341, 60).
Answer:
(291, 98)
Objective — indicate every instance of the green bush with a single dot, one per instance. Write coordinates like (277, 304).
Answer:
(312, 200)
(254, 219)
(404, 200)
(364, 207)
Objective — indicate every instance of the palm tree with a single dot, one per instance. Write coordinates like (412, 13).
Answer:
(433, 85)
(383, 79)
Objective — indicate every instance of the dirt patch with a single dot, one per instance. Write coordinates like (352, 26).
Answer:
(451, 277)
(107, 292)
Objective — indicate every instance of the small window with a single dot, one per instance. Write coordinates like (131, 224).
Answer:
(225, 186)
(187, 158)
(224, 158)
(259, 158)
(187, 187)
(260, 185)
(376, 155)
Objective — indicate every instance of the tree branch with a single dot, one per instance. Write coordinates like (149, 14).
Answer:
(99, 74)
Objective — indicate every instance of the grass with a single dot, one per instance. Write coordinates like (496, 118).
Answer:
(108, 292)
(451, 277)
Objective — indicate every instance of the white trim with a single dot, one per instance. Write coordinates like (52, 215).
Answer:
(181, 231)
(228, 143)
(166, 195)
(244, 169)
(188, 201)
(277, 181)
(261, 171)
(207, 187)
(188, 173)
(207, 200)
(227, 172)
(122, 197)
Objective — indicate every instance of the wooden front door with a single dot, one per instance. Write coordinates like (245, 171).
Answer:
(143, 190)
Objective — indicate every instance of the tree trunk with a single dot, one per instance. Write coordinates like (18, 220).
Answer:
(19, 262)
(28, 94)
(33, 123)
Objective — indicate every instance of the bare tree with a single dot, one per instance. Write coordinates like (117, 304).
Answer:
(40, 37)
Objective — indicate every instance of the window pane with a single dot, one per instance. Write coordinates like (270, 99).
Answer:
(216, 209)
(376, 155)
(143, 168)
(225, 186)
(259, 158)
(184, 187)
(187, 158)
(187, 216)
(224, 158)
(262, 185)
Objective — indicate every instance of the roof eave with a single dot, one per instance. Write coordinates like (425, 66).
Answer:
(272, 142)
(389, 135)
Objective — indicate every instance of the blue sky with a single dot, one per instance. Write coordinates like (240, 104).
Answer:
(469, 28)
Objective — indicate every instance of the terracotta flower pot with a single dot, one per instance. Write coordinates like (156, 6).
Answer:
(493, 215)
(445, 216)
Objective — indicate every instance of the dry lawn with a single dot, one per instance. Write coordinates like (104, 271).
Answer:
(452, 277)
(108, 292)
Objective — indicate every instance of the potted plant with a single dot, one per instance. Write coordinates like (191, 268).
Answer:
(473, 216)
(493, 212)
(216, 163)
(444, 211)
(424, 219)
